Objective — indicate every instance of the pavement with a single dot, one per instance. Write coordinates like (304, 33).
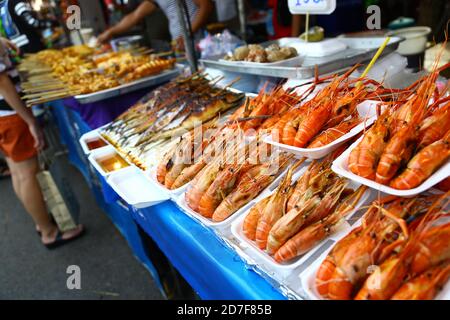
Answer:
(30, 271)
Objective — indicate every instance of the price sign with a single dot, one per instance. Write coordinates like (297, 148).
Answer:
(312, 6)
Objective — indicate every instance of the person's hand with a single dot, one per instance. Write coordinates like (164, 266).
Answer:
(10, 45)
(104, 37)
(178, 45)
(38, 135)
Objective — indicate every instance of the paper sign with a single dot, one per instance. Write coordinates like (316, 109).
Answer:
(312, 6)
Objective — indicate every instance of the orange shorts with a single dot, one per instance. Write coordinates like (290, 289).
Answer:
(16, 141)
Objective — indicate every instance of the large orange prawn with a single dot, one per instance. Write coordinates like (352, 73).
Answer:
(307, 238)
(363, 159)
(344, 273)
(423, 164)
(275, 207)
(426, 285)
(392, 272)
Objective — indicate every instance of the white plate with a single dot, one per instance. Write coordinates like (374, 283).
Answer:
(285, 269)
(308, 276)
(131, 185)
(340, 166)
(151, 175)
(181, 202)
(366, 111)
(100, 154)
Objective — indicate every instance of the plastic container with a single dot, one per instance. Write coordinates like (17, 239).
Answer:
(285, 269)
(340, 166)
(132, 186)
(366, 110)
(129, 42)
(98, 156)
(415, 39)
(90, 137)
(386, 70)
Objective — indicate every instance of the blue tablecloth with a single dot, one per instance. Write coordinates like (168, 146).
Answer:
(212, 269)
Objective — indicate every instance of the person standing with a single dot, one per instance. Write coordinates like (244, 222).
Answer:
(199, 13)
(21, 139)
(21, 25)
(284, 23)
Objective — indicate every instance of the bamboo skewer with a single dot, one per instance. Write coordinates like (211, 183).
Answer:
(41, 80)
(37, 86)
(43, 86)
(54, 93)
(47, 98)
(45, 81)
(47, 93)
(50, 86)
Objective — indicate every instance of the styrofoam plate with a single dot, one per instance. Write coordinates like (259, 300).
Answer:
(151, 174)
(100, 154)
(308, 276)
(131, 185)
(366, 111)
(285, 269)
(316, 49)
(340, 166)
(90, 136)
(181, 202)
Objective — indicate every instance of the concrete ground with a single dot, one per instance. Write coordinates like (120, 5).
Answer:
(29, 271)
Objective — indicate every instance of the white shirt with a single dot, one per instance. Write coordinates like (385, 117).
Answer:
(226, 10)
(170, 10)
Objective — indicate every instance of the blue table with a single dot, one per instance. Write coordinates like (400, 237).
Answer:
(212, 269)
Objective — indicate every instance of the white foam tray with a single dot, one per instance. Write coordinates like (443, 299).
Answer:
(250, 248)
(103, 153)
(340, 166)
(135, 189)
(322, 48)
(181, 202)
(366, 110)
(308, 276)
(151, 174)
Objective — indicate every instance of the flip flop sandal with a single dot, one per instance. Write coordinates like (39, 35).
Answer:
(39, 231)
(59, 241)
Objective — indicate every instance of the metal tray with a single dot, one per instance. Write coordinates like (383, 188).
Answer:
(358, 50)
(164, 76)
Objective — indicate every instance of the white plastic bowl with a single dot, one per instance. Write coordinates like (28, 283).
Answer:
(415, 39)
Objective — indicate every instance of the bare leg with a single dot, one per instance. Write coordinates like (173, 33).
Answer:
(29, 193)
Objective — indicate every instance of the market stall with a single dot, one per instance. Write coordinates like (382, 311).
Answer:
(194, 250)
(290, 272)
(328, 180)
